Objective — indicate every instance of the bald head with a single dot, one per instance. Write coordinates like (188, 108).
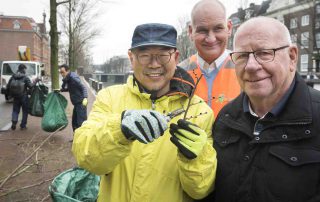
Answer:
(265, 61)
(272, 28)
(207, 5)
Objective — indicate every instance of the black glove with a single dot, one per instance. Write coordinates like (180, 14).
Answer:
(143, 125)
(188, 137)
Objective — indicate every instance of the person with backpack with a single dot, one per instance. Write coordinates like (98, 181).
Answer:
(17, 86)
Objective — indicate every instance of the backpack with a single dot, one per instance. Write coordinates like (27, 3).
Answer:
(17, 87)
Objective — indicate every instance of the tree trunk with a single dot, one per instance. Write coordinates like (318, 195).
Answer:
(54, 45)
(70, 51)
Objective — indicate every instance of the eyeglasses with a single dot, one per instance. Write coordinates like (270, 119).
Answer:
(262, 56)
(162, 58)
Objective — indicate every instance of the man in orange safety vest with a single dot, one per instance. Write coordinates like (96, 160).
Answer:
(209, 30)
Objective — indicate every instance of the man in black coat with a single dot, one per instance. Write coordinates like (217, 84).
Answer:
(78, 95)
(18, 85)
(268, 138)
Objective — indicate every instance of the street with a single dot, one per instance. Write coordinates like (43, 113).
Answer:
(5, 111)
(31, 181)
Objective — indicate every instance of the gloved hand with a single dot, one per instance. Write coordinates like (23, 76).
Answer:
(188, 137)
(85, 101)
(143, 125)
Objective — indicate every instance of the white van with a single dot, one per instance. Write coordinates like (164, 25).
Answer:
(8, 68)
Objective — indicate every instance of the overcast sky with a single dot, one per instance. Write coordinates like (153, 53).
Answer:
(118, 19)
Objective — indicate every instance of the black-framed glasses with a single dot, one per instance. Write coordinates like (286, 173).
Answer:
(262, 56)
(162, 57)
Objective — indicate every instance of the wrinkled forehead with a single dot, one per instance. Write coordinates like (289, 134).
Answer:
(257, 37)
(208, 16)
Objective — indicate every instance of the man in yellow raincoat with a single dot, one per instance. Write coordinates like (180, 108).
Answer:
(141, 138)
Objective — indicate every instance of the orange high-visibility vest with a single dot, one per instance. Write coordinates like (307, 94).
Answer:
(225, 85)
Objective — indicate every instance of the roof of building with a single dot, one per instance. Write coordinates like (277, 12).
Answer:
(252, 11)
(25, 24)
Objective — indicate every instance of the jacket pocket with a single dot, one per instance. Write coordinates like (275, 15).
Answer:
(292, 173)
(227, 148)
(224, 140)
(295, 156)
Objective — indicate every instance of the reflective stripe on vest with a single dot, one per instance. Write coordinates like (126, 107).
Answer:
(225, 86)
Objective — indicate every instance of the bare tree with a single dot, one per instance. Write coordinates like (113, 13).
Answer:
(184, 44)
(77, 20)
(54, 42)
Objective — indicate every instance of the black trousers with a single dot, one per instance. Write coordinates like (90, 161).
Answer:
(79, 115)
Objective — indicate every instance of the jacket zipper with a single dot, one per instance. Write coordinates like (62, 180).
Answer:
(233, 124)
(153, 105)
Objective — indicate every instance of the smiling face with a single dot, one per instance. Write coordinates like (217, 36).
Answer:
(269, 80)
(153, 76)
(209, 30)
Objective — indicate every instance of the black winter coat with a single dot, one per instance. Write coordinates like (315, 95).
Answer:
(282, 163)
(77, 90)
(24, 78)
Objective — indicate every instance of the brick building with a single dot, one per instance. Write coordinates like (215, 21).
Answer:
(24, 31)
(302, 18)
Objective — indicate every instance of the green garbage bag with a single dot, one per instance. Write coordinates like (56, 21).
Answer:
(54, 112)
(73, 185)
(37, 99)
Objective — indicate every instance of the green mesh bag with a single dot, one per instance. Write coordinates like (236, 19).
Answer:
(75, 185)
(54, 112)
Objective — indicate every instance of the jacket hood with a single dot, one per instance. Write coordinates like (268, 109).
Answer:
(19, 75)
(180, 84)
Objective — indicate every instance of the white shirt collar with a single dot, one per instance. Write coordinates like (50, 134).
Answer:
(253, 113)
(217, 63)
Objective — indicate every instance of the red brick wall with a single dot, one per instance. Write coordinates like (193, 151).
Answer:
(11, 38)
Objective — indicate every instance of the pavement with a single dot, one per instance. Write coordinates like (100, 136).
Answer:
(30, 182)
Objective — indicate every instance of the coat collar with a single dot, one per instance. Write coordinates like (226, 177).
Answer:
(297, 109)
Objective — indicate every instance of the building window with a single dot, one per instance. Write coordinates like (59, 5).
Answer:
(317, 23)
(16, 24)
(318, 40)
(305, 40)
(305, 20)
(304, 62)
(293, 23)
(294, 38)
(318, 8)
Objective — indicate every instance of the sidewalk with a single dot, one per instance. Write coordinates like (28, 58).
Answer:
(51, 159)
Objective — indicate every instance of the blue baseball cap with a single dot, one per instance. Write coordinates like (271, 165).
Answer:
(154, 34)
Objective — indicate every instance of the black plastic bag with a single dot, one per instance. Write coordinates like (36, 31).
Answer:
(37, 99)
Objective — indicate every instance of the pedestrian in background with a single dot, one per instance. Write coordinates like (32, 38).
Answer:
(78, 95)
(268, 138)
(126, 140)
(209, 31)
(18, 86)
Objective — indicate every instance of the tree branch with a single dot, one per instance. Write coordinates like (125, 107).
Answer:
(42, 143)
(26, 187)
(62, 2)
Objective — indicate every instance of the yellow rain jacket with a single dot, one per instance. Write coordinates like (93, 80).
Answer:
(137, 172)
